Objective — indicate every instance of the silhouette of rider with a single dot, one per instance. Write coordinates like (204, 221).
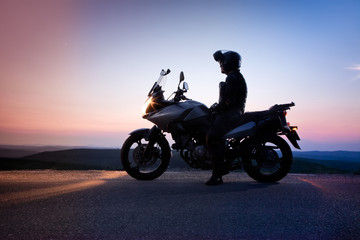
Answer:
(226, 113)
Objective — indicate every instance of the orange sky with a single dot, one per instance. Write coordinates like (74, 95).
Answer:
(77, 73)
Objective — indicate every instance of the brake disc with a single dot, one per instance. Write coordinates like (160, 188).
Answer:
(267, 157)
(141, 160)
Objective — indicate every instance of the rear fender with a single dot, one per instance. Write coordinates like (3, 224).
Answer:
(293, 138)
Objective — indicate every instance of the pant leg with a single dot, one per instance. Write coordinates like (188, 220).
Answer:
(222, 123)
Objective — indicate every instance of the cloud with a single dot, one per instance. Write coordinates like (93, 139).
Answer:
(355, 78)
(356, 67)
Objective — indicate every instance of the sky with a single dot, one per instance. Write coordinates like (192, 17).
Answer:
(77, 72)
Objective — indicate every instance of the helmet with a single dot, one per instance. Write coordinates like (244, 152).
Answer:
(231, 60)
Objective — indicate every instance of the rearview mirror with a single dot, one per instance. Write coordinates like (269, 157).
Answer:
(182, 77)
(185, 87)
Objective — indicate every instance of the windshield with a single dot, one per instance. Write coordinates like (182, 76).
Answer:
(161, 82)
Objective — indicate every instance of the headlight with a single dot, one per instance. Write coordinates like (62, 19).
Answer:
(146, 104)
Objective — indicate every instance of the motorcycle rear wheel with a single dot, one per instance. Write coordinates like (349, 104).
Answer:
(145, 168)
(269, 160)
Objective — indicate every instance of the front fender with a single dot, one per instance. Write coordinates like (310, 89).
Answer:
(140, 131)
(149, 134)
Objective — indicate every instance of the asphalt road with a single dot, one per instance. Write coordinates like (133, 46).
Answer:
(111, 205)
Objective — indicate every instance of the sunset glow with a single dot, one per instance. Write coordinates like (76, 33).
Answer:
(78, 72)
(355, 68)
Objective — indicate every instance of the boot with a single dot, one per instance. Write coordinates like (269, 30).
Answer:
(214, 180)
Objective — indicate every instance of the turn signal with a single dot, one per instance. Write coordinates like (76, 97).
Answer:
(293, 128)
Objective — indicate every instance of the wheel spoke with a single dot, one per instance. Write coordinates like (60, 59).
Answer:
(269, 161)
(139, 166)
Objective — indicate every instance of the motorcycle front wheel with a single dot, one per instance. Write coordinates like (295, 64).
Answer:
(269, 160)
(142, 167)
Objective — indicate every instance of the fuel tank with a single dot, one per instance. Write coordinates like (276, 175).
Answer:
(181, 111)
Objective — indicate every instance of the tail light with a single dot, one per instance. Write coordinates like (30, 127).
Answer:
(293, 128)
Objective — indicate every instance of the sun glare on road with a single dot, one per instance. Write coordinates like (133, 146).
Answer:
(72, 181)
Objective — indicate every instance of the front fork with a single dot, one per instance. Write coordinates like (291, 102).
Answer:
(151, 137)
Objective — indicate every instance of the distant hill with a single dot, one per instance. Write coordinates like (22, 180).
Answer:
(11, 153)
(18, 151)
(109, 159)
(328, 155)
(343, 160)
(89, 158)
(303, 165)
(22, 151)
(343, 165)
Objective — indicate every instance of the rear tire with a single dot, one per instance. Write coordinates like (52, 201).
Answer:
(145, 168)
(269, 160)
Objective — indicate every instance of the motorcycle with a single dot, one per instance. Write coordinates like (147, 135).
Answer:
(255, 145)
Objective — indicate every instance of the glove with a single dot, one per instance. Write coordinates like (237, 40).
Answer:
(216, 108)
(213, 107)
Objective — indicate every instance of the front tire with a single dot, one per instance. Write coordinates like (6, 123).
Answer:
(145, 168)
(269, 160)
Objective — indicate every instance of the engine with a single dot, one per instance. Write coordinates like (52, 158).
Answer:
(196, 156)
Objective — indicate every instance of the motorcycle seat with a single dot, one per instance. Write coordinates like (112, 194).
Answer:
(242, 130)
(254, 116)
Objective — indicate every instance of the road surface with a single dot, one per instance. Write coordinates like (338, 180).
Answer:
(111, 205)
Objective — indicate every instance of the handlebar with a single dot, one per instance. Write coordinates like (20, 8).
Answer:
(282, 107)
(179, 95)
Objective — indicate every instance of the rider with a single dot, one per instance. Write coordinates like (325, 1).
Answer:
(226, 113)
